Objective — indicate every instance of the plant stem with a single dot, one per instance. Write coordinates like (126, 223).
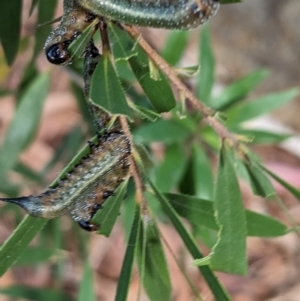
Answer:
(140, 188)
(208, 113)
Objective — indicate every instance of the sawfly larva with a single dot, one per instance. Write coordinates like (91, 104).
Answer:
(169, 14)
(83, 191)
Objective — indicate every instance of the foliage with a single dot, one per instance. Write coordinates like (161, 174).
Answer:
(203, 198)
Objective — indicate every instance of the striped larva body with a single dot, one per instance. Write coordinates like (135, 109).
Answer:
(100, 117)
(87, 186)
(169, 14)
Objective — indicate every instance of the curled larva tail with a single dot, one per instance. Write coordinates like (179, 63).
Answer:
(84, 189)
(169, 14)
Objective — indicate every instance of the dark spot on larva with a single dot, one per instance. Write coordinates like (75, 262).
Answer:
(88, 226)
(107, 194)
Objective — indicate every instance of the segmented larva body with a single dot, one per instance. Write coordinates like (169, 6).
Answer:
(169, 14)
(101, 118)
(87, 186)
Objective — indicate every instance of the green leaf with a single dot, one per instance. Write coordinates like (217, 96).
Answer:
(25, 122)
(259, 182)
(106, 90)
(77, 47)
(144, 156)
(216, 287)
(229, 254)
(34, 294)
(168, 173)
(86, 289)
(200, 212)
(294, 191)
(144, 113)
(152, 263)
(205, 78)
(125, 276)
(167, 131)
(34, 255)
(175, 46)
(159, 92)
(202, 173)
(238, 90)
(10, 25)
(19, 240)
(260, 106)
(123, 46)
(107, 216)
(263, 137)
(264, 226)
(46, 11)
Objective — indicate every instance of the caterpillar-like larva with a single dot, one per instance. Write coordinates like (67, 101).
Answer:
(101, 118)
(83, 190)
(169, 14)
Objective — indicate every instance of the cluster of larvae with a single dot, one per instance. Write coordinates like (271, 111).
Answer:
(84, 189)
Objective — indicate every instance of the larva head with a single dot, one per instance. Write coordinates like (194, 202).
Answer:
(74, 20)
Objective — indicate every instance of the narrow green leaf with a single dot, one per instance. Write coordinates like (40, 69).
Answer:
(229, 254)
(259, 182)
(106, 90)
(205, 79)
(216, 287)
(155, 276)
(46, 10)
(168, 173)
(202, 173)
(263, 137)
(175, 46)
(238, 90)
(125, 276)
(260, 106)
(34, 255)
(19, 240)
(159, 92)
(264, 226)
(144, 113)
(107, 216)
(167, 131)
(34, 294)
(122, 44)
(25, 122)
(86, 289)
(294, 191)
(78, 46)
(200, 212)
(144, 155)
(10, 25)
(188, 71)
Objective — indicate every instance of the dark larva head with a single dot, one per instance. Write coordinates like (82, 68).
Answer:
(88, 226)
(73, 22)
(58, 54)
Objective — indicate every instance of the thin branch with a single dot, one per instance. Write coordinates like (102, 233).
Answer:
(207, 112)
(140, 188)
